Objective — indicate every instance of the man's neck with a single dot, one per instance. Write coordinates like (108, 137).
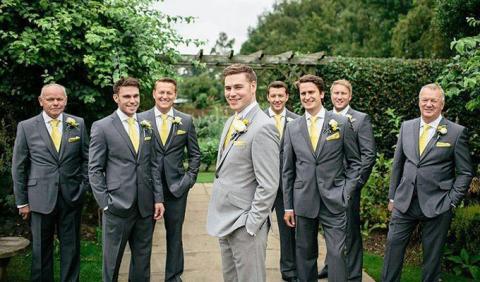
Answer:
(429, 120)
(277, 112)
(164, 111)
(314, 112)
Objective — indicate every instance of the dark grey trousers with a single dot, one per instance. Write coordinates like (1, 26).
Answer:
(434, 234)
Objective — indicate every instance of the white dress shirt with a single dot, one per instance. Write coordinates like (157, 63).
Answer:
(318, 123)
(47, 120)
(124, 118)
(431, 130)
(342, 112)
(159, 120)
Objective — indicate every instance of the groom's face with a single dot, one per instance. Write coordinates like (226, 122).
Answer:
(239, 91)
(127, 99)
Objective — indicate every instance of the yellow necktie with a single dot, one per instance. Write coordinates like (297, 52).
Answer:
(313, 132)
(422, 142)
(278, 124)
(164, 129)
(132, 132)
(229, 133)
(55, 134)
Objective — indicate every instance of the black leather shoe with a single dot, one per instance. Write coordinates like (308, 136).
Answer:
(323, 274)
(290, 279)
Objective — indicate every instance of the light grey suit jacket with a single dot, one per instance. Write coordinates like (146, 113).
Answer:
(171, 155)
(121, 178)
(441, 175)
(309, 176)
(247, 177)
(39, 171)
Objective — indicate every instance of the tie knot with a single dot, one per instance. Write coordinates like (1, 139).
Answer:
(164, 117)
(237, 117)
(131, 121)
(54, 122)
(313, 119)
(278, 116)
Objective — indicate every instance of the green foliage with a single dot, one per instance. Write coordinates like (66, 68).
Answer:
(203, 90)
(465, 229)
(451, 16)
(465, 263)
(223, 45)
(209, 151)
(209, 128)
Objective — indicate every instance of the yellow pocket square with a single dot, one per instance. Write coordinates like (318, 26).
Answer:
(180, 132)
(73, 139)
(334, 136)
(239, 143)
(147, 138)
(443, 144)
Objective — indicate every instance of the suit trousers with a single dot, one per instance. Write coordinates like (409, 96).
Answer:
(66, 219)
(173, 220)
(306, 231)
(288, 266)
(434, 234)
(117, 231)
(243, 255)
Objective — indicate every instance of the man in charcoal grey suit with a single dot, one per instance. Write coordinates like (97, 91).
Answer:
(49, 170)
(246, 180)
(431, 173)
(174, 132)
(126, 183)
(317, 185)
(341, 95)
(277, 96)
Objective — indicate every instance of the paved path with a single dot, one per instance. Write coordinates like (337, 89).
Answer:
(202, 254)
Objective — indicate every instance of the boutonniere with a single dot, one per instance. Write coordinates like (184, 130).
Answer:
(350, 118)
(176, 120)
(333, 124)
(145, 124)
(289, 119)
(71, 122)
(240, 126)
(442, 129)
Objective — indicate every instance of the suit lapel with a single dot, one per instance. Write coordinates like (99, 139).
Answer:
(415, 137)
(433, 140)
(65, 132)
(46, 137)
(222, 140)
(173, 131)
(141, 137)
(306, 135)
(153, 119)
(323, 135)
(117, 123)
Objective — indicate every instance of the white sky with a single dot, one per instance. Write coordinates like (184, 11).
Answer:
(214, 16)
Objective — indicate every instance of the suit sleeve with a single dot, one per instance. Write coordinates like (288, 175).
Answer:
(397, 167)
(366, 143)
(463, 168)
(265, 152)
(97, 163)
(288, 170)
(352, 156)
(20, 165)
(193, 151)
(84, 152)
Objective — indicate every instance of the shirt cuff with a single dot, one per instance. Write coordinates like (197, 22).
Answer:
(22, 206)
(105, 208)
(289, 210)
(391, 201)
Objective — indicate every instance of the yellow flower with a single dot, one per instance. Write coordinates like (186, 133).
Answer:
(71, 122)
(333, 125)
(442, 129)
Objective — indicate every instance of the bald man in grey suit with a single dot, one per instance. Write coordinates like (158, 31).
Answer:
(49, 170)
(316, 182)
(431, 173)
(246, 180)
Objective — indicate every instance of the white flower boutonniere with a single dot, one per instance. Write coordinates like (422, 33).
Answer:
(442, 129)
(350, 118)
(333, 125)
(71, 122)
(289, 119)
(240, 126)
(145, 124)
(176, 120)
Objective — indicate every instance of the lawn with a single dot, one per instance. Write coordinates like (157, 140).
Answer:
(206, 177)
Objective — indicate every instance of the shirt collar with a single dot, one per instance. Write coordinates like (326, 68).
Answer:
(342, 112)
(47, 118)
(320, 114)
(124, 117)
(158, 113)
(243, 114)
(433, 124)
(271, 113)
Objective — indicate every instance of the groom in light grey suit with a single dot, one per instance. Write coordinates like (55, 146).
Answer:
(320, 172)
(126, 183)
(431, 173)
(246, 180)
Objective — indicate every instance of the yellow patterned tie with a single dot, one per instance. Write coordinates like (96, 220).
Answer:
(132, 132)
(55, 134)
(313, 132)
(164, 129)
(229, 133)
(422, 142)
(278, 124)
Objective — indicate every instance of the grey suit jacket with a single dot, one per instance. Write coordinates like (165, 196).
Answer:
(121, 178)
(362, 127)
(170, 156)
(39, 171)
(441, 175)
(309, 176)
(247, 177)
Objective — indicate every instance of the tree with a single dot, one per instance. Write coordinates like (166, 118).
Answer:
(451, 16)
(223, 45)
(85, 45)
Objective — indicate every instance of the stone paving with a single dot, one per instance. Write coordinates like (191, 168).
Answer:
(202, 254)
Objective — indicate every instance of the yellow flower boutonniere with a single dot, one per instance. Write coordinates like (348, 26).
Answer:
(442, 129)
(71, 122)
(176, 120)
(333, 125)
(350, 118)
(145, 124)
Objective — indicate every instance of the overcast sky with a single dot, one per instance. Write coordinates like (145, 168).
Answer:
(214, 16)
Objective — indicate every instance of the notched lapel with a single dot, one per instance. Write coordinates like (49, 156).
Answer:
(46, 137)
(434, 139)
(323, 135)
(415, 137)
(306, 135)
(117, 123)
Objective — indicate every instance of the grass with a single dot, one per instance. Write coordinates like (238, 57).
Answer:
(373, 266)
(206, 177)
(90, 265)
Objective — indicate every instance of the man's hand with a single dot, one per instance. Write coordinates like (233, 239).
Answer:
(289, 218)
(159, 211)
(24, 212)
(390, 206)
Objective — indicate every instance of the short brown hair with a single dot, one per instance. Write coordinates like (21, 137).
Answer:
(124, 82)
(318, 81)
(240, 68)
(342, 82)
(166, 80)
(277, 84)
